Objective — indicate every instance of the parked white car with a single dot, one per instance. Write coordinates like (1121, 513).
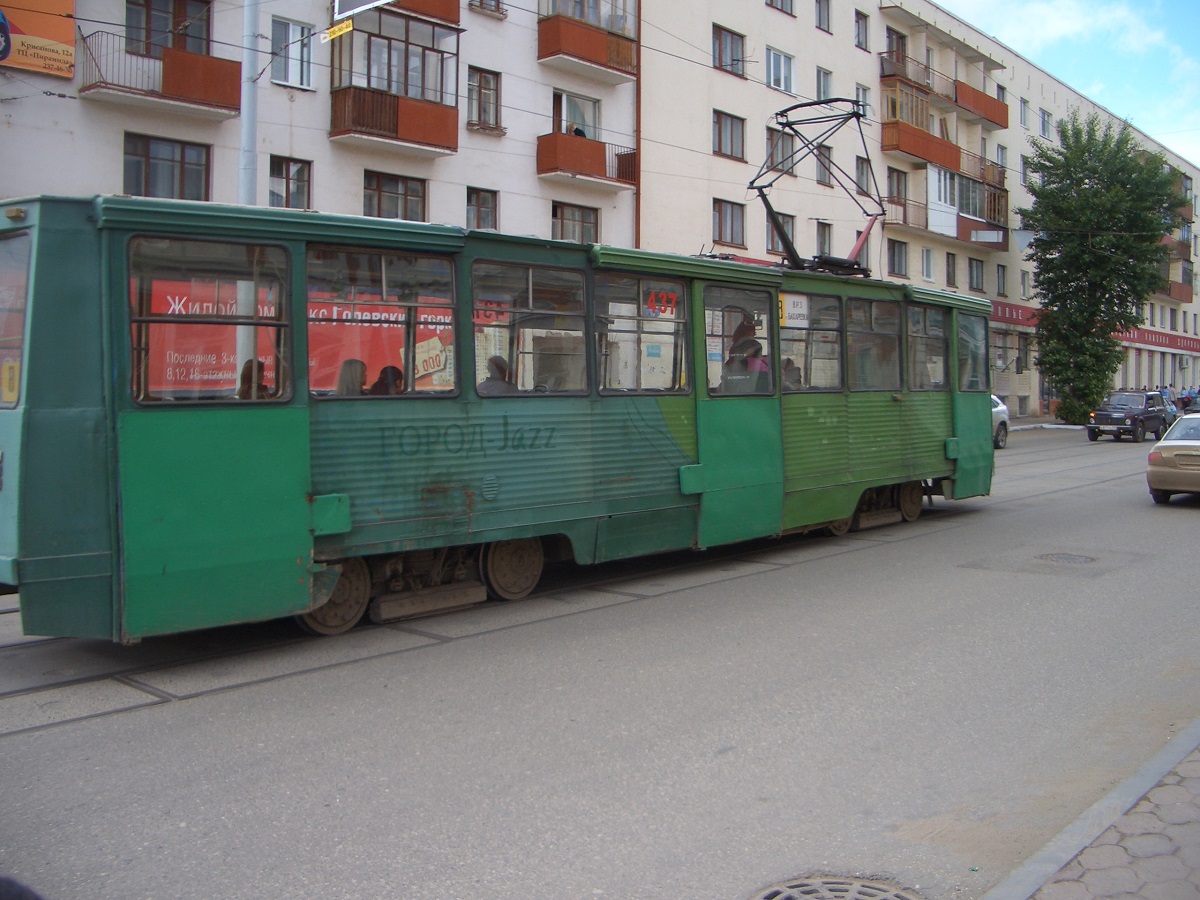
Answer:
(999, 423)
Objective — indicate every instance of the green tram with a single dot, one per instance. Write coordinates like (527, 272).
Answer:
(214, 414)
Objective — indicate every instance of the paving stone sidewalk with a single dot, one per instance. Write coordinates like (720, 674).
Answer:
(1151, 852)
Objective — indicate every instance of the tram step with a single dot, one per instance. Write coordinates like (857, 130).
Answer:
(878, 517)
(389, 607)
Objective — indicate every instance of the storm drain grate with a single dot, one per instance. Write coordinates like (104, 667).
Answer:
(1071, 559)
(834, 889)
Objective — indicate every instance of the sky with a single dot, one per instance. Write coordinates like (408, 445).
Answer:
(1139, 59)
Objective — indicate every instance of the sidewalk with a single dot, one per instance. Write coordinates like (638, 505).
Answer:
(1140, 841)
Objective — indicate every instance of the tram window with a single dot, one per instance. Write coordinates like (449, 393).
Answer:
(737, 332)
(972, 353)
(379, 324)
(532, 319)
(641, 334)
(928, 348)
(209, 321)
(14, 287)
(810, 343)
(873, 345)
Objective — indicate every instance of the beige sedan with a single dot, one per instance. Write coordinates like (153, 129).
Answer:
(1174, 464)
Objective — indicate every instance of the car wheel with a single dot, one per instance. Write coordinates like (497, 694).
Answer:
(1000, 438)
(1139, 432)
(1160, 496)
(1158, 432)
(1093, 434)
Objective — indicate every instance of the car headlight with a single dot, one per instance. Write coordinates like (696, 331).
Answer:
(1129, 421)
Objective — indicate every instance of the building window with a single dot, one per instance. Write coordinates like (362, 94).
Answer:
(862, 96)
(491, 6)
(393, 197)
(291, 183)
(728, 51)
(824, 84)
(291, 53)
(482, 208)
(729, 135)
(927, 264)
(483, 98)
(862, 175)
(862, 30)
(577, 115)
(775, 243)
(157, 167)
(897, 257)
(151, 25)
(1024, 170)
(1001, 93)
(1002, 156)
(781, 147)
(1024, 113)
(1046, 123)
(402, 56)
(824, 156)
(729, 221)
(1001, 280)
(574, 223)
(951, 270)
(824, 239)
(1024, 284)
(785, 5)
(822, 11)
(779, 70)
(974, 273)
(897, 184)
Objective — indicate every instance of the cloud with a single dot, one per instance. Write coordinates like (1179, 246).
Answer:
(1115, 24)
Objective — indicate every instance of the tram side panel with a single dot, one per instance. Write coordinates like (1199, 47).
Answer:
(56, 498)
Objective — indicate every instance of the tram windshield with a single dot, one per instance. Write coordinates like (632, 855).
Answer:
(14, 292)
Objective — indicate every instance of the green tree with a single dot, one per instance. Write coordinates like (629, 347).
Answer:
(1101, 205)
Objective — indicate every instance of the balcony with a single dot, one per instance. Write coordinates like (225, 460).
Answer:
(568, 158)
(902, 211)
(1177, 247)
(1179, 291)
(975, 166)
(901, 137)
(419, 127)
(579, 48)
(446, 10)
(192, 82)
(980, 106)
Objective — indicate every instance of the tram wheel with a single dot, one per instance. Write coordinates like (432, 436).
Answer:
(912, 495)
(346, 605)
(840, 527)
(511, 569)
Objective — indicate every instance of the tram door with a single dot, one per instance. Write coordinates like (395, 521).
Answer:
(213, 467)
(739, 427)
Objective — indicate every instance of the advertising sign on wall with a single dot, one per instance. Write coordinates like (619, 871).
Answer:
(41, 39)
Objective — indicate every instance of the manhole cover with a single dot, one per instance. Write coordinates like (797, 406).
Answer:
(1073, 559)
(834, 889)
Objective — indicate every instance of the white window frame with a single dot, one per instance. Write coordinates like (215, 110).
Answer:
(824, 84)
(779, 70)
(291, 53)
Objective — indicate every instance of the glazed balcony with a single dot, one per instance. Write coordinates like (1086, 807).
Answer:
(572, 159)
(596, 40)
(418, 127)
(189, 82)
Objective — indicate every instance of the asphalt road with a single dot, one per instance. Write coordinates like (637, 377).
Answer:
(922, 704)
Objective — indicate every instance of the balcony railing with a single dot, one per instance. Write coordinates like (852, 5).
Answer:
(902, 211)
(896, 65)
(975, 166)
(378, 114)
(975, 101)
(573, 156)
(192, 78)
(587, 49)
(617, 16)
(903, 137)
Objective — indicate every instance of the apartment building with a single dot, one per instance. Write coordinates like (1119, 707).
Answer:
(634, 124)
